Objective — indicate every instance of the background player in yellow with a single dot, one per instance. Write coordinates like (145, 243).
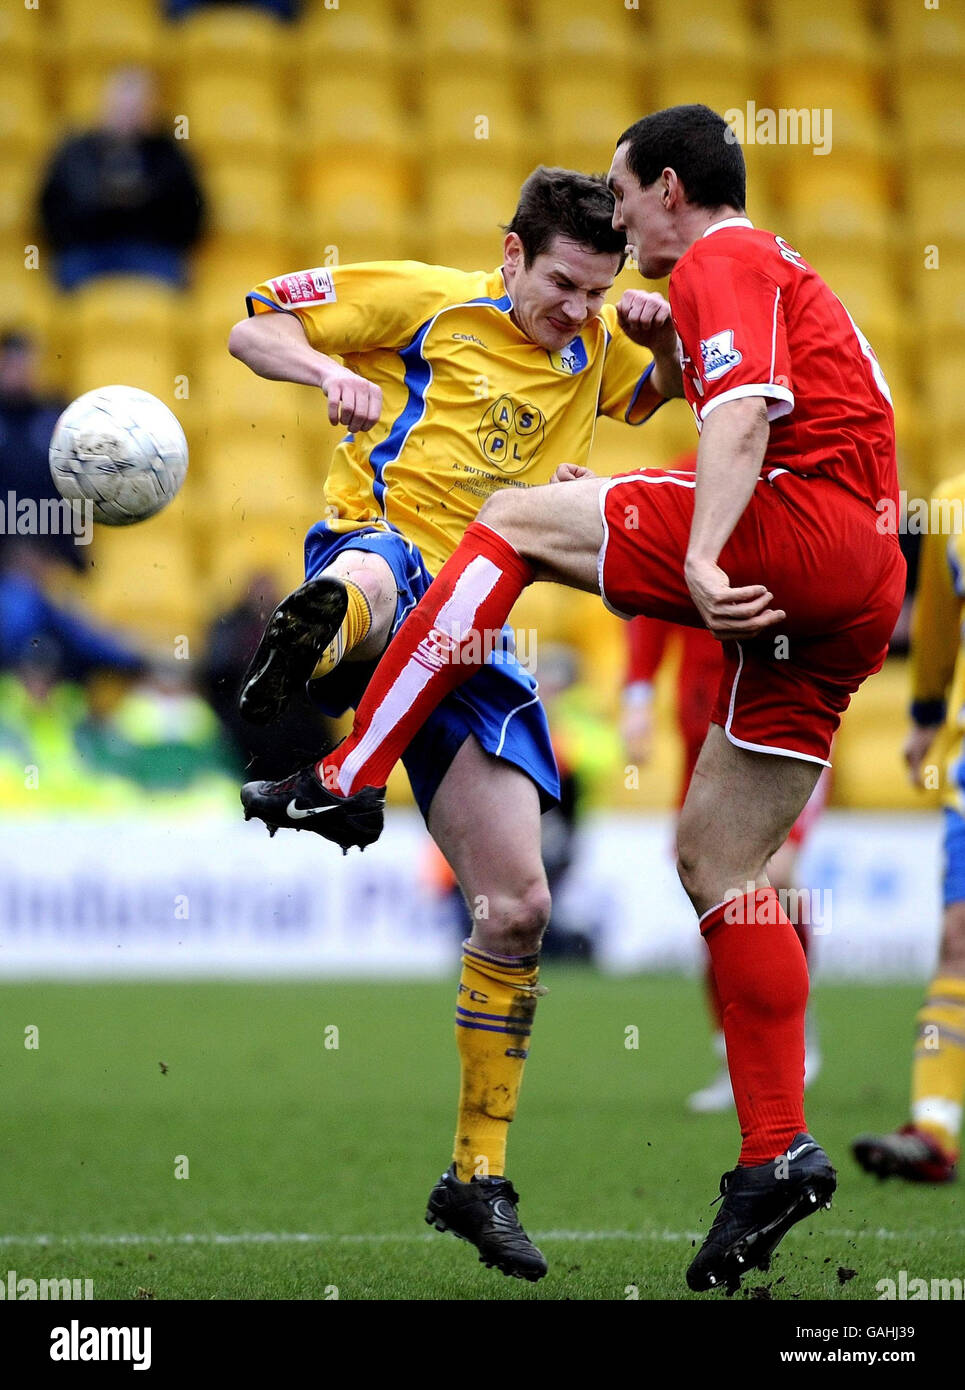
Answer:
(927, 1149)
(454, 385)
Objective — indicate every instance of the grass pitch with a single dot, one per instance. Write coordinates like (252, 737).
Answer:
(306, 1166)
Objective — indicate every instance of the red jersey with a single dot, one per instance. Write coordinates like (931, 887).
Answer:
(754, 319)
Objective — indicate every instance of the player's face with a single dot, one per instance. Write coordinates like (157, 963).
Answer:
(560, 292)
(640, 212)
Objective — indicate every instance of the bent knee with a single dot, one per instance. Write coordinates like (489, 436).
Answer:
(512, 925)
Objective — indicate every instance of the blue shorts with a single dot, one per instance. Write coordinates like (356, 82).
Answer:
(499, 705)
(953, 878)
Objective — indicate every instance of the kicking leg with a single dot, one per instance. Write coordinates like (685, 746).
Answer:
(485, 818)
(552, 533)
(345, 612)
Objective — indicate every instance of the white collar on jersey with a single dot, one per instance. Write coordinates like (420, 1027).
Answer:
(729, 222)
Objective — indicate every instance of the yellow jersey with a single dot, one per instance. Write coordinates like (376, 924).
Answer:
(470, 404)
(938, 637)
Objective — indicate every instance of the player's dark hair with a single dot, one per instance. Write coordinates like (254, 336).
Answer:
(698, 145)
(561, 202)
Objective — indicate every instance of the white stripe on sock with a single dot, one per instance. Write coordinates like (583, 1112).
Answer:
(938, 1110)
(455, 619)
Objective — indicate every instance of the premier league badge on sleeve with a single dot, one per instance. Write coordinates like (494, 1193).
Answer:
(719, 355)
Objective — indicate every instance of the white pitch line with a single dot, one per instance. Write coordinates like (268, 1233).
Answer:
(410, 1237)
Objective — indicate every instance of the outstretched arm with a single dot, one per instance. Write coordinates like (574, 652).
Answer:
(732, 445)
(275, 346)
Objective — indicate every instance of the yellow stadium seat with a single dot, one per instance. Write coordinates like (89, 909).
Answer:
(940, 296)
(850, 116)
(258, 472)
(935, 199)
(25, 126)
(238, 37)
(232, 115)
(248, 200)
(588, 34)
(349, 220)
(580, 121)
(690, 31)
(831, 33)
(343, 112)
(125, 305)
(224, 272)
(239, 549)
(109, 32)
(866, 287)
(111, 361)
(833, 203)
(465, 213)
(723, 87)
(144, 579)
(19, 185)
(224, 392)
(926, 39)
(472, 117)
(944, 372)
(467, 37)
(351, 35)
(27, 300)
(931, 111)
(24, 35)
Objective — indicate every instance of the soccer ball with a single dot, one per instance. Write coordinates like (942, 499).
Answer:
(120, 449)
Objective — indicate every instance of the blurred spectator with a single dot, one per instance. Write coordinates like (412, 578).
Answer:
(160, 734)
(30, 618)
(302, 732)
(27, 421)
(285, 9)
(123, 197)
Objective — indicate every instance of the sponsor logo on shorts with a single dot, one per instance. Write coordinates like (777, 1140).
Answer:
(305, 288)
(718, 355)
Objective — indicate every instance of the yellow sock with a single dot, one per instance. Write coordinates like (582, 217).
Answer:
(494, 1018)
(938, 1072)
(355, 627)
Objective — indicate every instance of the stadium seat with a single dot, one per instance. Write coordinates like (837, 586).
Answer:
(865, 284)
(836, 35)
(722, 87)
(234, 115)
(225, 392)
(587, 35)
(258, 473)
(944, 373)
(18, 202)
(579, 122)
(351, 37)
(940, 296)
(144, 579)
(248, 200)
(472, 117)
(24, 37)
(850, 119)
(150, 366)
(459, 38)
(926, 39)
(347, 112)
(25, 126)
(224, 271)
(935, 200)
(689, 32)
(931, 112)
(348, 220)
(104, 35)
(833, 203)
(237, 549)
(465, 213)
(240, 38)
(131, 306)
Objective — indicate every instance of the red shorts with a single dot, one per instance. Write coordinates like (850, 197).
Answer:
(816, 547)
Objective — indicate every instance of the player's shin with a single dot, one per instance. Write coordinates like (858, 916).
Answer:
(762, 979)
(442, 642)
(494, 1020)
(938, 1073)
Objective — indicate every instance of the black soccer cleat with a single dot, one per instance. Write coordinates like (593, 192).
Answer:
(300, 802)
(907, 1153)
(760, 1206)
(296, 635)
(483, 1211)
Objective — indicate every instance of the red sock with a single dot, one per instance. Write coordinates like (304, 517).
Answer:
(442, 642)
(762, 980)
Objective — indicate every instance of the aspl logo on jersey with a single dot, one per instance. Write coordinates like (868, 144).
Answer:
(718, 355)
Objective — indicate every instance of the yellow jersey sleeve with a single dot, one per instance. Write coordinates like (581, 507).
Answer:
(935, 637)
(627, 392)
(354, 308)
